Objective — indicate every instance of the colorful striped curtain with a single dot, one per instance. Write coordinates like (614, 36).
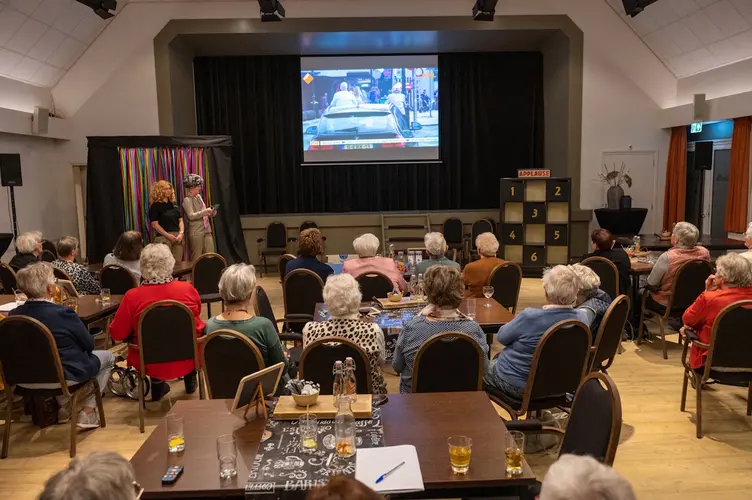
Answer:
(142, 167)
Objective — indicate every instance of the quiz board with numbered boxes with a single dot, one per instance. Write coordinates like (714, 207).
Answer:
(535, 222)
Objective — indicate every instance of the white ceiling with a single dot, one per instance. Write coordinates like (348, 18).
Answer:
(694, 36)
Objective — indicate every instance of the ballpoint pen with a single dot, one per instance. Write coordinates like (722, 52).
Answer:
(385, 475)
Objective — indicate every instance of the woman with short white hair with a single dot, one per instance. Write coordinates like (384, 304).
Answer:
(236, 287)
(157, 265)
(593, 302)
(28, 250)
(476, 274)
(510, 369)
(342, 298)
(583, 477)
(748, 243)
(367, 246)
(436, 246)
(101, 475)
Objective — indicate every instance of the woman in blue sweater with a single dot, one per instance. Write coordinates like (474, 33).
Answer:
(509, 371)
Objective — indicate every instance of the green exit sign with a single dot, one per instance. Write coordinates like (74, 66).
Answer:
(696, 128)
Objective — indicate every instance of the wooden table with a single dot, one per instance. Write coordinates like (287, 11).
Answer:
(423, 420)
(651, 242)
(182, 268)
(89, 310)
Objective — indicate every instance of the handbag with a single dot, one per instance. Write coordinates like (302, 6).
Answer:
(42, 408)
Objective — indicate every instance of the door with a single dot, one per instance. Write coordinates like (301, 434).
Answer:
(721, 163)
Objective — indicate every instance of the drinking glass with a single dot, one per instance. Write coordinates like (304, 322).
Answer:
(515, 451)
(175, 435)
(105, 296)
(488, 292)
(20, 297)
(308, 432)
(470, 307)
(460, 449)
(71, 302)
(227, 453)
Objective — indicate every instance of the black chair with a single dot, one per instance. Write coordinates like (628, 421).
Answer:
(507, 281)
(283, 265)
(453, 234)
(29, 355)
(374, 285)
(263, 308)
(118, 279)
(449, 362)
(276, 242)
(728, 360)
(47, 256)
(319, 357)
(302, 289)
(226, 357)
(559, 363)
(479, 227)
(688, 284)
(607, 272)
(207, 270)
(7, 278)
(594, 421)
(608, 337)
(61, 275)
(49, 246)
(166, 332)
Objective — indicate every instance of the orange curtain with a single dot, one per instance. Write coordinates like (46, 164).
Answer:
(738, 190)
(675, 195)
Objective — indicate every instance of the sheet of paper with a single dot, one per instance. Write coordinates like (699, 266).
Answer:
(372, 463)
(8, 307)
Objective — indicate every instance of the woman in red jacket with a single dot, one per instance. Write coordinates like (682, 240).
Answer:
(157, 264)
(731, 283)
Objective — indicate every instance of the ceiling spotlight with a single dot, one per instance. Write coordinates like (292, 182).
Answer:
(271, 10)
(103, 8)
(484, 10)
(634, 7)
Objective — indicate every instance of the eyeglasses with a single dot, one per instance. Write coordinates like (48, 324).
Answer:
(138, 490)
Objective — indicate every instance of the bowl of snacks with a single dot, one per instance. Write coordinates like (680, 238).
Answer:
(394, 297)
(303, 392)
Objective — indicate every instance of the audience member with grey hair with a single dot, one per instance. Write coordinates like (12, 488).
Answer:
(731, 283)
(584, 478)
(75, 344)
(593, 302)
(28, 250)
(684, 241)
(97, 476)
(342, 299)
(748, 243)
(436, 246)
(236, 287)
(82, 279)
(510, 369)
(367, 246)
(157, 264)
(476, 274)
(444, 290)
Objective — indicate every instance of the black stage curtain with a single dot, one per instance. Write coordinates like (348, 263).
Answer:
(491, 110)
(104, 192)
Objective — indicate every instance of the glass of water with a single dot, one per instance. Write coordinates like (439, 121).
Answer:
(105, 296)
(488, 292)
(175, 434)
(470, 307)
(227, 453)
(308, 432)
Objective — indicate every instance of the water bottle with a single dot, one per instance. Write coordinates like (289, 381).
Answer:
(338, 387)
(351, 384)
(419, 287)
(344, 429)
(400, 256)
(636, 241)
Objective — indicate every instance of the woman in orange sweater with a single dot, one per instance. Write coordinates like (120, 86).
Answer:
(476, 274)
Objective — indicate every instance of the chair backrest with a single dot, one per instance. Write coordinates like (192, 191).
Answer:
(374, 285)
(47, 256)
(118, 279)
(283, 264)
(449, 362)
(308, 225)
(318, 358)
(61, 275)
(480, 227)
(49, 246)
(226, 357)
(276, 235)
(560, 361)
(595, 420)
(731, 339)
(609, 335)
(302, 289)
(689, 283)
(453, 231)
(506, 279)
(7, 278)
(166, 332)
(263, 307)
(607, 272)
(207, 270)
(28, 353)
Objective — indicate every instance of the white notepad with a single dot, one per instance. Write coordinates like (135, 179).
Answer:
(371, 463)
(8, 307)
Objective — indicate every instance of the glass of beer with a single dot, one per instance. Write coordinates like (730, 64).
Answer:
(460, 448)
(308, 432)
(515, 452)
(175, 435)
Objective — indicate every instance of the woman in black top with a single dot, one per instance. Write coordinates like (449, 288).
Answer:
(165, 218)
(603, 246)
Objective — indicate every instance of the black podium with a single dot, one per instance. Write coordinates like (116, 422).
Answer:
(622, 221)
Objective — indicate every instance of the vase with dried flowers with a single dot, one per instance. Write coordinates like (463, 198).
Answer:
(615, 179)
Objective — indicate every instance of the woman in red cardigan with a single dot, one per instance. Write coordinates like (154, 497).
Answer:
(157, 264)
(730, 283)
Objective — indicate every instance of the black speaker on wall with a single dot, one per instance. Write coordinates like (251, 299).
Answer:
(10, 169)
(704, 155)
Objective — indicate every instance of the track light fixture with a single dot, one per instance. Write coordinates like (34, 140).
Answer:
(634, 7)
(271, 10)
(484, 10)
(103, 8)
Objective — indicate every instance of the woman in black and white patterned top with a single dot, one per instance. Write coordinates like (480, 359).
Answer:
(82, 279)
(342, 298)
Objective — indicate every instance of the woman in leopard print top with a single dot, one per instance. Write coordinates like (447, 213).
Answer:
(342, 298)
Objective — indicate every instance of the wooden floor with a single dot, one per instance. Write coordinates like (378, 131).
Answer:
(659, 452)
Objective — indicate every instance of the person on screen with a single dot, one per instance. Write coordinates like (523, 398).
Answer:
(374, 95)
(324, 102)
(397, 100)
(343, 97)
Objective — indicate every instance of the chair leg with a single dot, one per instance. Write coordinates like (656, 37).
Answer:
(141, 403)
(684, 390)
(208, 309)
(73, 422)
(749, 400)
(200, 380)
(663, 337)
(642, 325)
(8, 418)
(100, 406)
(698, 387)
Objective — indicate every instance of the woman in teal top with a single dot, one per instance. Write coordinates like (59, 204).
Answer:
(236, 289)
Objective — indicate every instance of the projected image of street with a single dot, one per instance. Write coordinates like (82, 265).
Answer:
(370, 109)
